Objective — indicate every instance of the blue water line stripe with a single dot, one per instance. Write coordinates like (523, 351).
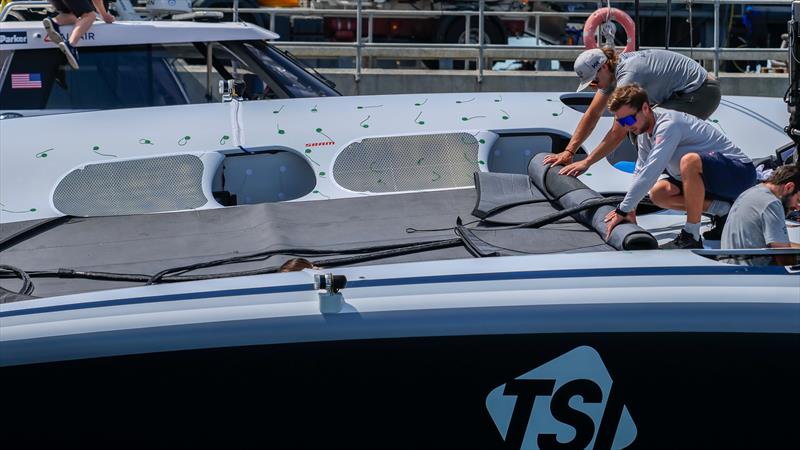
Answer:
(433, 279)
(574, 273)
(162, 298)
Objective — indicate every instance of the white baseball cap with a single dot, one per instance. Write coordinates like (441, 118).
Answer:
(587, 64)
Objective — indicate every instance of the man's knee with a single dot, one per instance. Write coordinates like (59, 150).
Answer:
(663, 190)
(90, 16)
(691, 164)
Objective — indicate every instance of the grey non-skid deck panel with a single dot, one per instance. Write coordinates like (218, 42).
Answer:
(146, 244)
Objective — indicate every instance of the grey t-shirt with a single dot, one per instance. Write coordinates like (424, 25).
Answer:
(757, 219)
(675, 134)
(661, 73)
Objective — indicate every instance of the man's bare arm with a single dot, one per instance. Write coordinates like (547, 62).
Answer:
(584, 129)
(609, 143)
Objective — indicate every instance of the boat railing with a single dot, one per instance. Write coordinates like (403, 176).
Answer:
(365, 47)
(10, 9)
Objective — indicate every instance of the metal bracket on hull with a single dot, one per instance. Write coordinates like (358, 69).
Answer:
(328, 286)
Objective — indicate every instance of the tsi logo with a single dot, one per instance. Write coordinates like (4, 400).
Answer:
(13, 37)
(567, 403)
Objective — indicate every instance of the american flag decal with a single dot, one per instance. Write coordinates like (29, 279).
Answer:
(26, 81)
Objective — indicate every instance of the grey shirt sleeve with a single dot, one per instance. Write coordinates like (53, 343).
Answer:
(775, 231)
(665, 140)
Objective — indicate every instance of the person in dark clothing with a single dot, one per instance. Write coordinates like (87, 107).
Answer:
(82, 14)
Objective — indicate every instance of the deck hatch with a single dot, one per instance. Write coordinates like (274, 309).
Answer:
(135, 186)
(405, 163)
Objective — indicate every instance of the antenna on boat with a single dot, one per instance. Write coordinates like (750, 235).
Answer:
(792, 96)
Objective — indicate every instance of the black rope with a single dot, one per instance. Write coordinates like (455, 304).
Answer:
(27, 285)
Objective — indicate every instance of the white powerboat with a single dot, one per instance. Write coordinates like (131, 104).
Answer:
(464, 294)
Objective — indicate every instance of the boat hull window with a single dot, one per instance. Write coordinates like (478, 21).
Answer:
(263, 177)
(136, 186)
(512, 152)
(579, 101)
(406, 163)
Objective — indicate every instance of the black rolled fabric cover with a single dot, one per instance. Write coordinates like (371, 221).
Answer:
(571, 192)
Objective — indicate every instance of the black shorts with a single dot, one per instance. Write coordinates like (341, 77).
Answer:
(77, 7)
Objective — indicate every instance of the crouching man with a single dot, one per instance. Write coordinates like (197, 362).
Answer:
(758, 218)
(706, 171)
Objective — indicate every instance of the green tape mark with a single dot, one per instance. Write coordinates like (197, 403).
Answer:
(499, 99)
(144, 141)
(465, 119)
(417, 121)
(319, 193)
(96, 149)
(184, 140)
(363, 122)
(278, 111)
(43, 153)
(465, 101)
(308, 152)
(314, 109)
(420, 104)
(319, 130)
(438, 176)
(369, 106)
(224, 139)
(506, 115)
(280, 130)
(15, 211)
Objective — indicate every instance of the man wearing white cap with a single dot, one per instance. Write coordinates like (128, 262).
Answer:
(672, 81)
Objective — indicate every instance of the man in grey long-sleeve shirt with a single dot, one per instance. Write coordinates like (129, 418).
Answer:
(672, 81)
(706, 171)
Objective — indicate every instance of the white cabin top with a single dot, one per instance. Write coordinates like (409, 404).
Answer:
(31, 35)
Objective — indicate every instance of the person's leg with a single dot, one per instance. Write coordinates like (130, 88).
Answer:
(83, 24)
(700, 103)
(666, 194)
(694, 191)
(65, 19)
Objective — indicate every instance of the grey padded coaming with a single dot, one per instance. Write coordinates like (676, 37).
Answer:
(502, 190)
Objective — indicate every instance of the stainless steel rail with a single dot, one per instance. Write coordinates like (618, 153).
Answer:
(480, 52)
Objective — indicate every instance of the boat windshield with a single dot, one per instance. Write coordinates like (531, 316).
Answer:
(133, 76)
(295, 80)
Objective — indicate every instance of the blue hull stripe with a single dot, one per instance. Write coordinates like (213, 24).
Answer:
(458, 278)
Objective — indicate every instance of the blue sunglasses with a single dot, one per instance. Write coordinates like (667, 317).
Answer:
(627, 120)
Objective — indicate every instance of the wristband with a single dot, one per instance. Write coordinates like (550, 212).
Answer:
(620, 212)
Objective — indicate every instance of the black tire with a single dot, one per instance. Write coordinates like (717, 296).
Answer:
(454, 31)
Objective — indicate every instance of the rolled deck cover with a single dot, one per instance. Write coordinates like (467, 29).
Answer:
(570, 192)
